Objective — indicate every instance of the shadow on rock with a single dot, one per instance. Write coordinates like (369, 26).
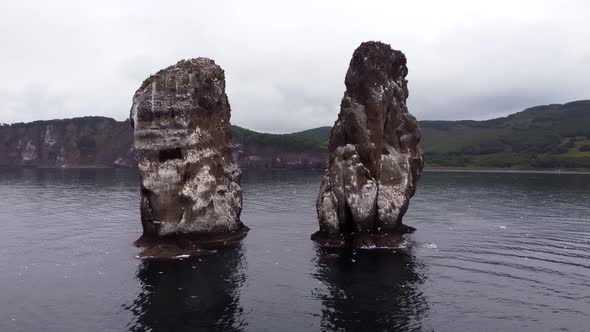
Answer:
(194, 294)
(176, 245)
(370, 291)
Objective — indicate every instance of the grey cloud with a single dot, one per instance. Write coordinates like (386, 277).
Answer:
(31, 103)
(285, 62)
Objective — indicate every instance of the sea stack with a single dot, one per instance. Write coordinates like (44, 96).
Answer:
(190, 184)
(374, 158)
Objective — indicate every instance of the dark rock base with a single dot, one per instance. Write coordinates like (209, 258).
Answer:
(186, 245)
(363, 241)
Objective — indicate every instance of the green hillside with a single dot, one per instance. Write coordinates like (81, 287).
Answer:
(312, 140)
(550, 136)
(543, 137)
(320, 134)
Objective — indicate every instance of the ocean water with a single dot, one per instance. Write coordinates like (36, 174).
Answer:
(493, 252)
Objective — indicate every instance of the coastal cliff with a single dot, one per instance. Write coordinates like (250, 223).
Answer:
(105, 142)
(541, 137)
(78, 142)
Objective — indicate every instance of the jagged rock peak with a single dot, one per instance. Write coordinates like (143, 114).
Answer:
(190, 184)
(375, 161)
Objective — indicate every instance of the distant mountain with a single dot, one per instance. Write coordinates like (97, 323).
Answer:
(105, 142)
(319, 134)
(550, 136)
(306, 149)
(80, 142)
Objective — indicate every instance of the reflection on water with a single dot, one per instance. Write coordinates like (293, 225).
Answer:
(190, 294)
(493, 251)
(371, 291)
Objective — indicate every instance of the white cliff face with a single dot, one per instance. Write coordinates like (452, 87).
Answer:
(86, 141)
(190, 183)
(60, 159)
(49, 137)
(375, 161)
(29, 153)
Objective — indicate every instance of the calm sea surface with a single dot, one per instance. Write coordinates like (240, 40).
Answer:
(493, 251)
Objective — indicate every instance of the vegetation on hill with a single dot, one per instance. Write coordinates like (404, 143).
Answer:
(89, 121)
(313, 140)
(551, 136)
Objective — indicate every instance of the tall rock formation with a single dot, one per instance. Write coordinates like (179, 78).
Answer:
(190, 184)
(375, 161)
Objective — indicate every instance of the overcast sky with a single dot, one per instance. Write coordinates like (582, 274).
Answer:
(285, 61)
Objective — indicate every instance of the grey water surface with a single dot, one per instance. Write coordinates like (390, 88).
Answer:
(493, 251)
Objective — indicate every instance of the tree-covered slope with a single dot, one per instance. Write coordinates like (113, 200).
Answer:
(312, 140)
(550, 136)
(306, 149)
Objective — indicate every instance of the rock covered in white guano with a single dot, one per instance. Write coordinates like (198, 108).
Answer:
(190, 183)
(375, 161)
